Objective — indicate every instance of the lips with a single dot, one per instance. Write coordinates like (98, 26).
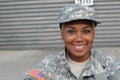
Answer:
(79, 47)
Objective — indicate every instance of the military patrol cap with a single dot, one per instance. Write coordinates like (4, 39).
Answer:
(76, 12)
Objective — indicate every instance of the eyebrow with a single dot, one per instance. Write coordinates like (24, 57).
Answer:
(87, 27)
(69, 27)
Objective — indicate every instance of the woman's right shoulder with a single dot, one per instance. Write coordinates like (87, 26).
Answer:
(51, 60)
(46, 66)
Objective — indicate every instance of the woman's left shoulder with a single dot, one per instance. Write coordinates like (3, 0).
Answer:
(110, 60)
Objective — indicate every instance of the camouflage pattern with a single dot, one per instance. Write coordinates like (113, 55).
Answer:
(100, 67)
(75, 12)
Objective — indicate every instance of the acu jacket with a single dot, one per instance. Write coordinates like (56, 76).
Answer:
(101, 66)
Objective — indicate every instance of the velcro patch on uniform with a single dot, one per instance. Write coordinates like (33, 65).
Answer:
(38, 74)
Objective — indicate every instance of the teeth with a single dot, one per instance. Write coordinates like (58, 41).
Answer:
(79, 47)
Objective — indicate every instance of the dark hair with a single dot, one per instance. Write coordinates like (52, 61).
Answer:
(60, 25)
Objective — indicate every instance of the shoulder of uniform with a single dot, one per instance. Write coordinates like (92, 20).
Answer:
(53, 58)
(103, 55)
(50, 63)
(109, 60)
(45, 67)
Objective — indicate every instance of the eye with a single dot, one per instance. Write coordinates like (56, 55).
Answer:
(86, 31)
(71, 31)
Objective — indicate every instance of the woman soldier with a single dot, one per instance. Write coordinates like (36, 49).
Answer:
(78, 61)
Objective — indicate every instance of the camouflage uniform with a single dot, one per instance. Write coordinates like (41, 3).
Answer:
(100, 67)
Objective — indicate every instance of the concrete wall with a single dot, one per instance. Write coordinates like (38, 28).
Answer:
(14, 64)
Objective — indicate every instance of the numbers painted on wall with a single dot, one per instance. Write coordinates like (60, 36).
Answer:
(84, 2)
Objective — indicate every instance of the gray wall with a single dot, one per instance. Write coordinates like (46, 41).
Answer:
(32, 24)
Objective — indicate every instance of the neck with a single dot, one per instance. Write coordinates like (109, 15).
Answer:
(79, 58)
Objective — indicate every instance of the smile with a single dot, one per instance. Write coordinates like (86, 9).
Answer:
(79, 47)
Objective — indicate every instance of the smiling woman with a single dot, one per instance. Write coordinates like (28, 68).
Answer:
(78, 61)
(78, 37)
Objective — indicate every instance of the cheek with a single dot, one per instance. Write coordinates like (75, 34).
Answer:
(90, 39)
(67, 38)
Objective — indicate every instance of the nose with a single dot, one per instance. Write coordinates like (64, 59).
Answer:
(79, 37)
